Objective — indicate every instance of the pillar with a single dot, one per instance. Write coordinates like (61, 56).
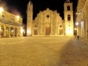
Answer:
(4, 31)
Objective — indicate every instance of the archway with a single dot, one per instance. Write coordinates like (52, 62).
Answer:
(35, 32)
(7, 31)
(16, 32)
(2, 31)
(11, 31)
(47, 30)
(60, 31)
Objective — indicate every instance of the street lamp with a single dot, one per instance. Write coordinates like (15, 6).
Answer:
(76, 28)
(28, 32)
(21, 31)
(1, 9)
(18, 16)
(76, 23)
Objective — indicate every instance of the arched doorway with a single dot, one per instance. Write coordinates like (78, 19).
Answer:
(47, 30)
(60, 31)
(11, 31)
(16, 31)
(7, 31)
(35, 32)
(2, 31)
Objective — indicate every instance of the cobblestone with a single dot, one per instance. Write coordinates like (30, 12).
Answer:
(43, 51)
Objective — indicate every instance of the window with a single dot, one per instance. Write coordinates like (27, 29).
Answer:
(35, 25)
(69, 17)
(60, 25)
(47, 16)
(68, 7)
(19, 21)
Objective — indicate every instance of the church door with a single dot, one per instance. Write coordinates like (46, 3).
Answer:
(60, 31)
(35, 32)
(47, 30)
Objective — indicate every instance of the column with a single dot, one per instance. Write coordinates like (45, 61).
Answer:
(9, 31)
(17, 32)
(4, 31)
(0, 30)
(50, 28)
(55, 29)
(14, 32)
(21, 32)
(44, 29)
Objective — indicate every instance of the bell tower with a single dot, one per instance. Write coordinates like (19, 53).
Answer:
(68, 18)
(29, 18)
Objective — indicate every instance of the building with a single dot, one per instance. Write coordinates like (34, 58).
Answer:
(10, 25)
(49, 22)
(82, 18)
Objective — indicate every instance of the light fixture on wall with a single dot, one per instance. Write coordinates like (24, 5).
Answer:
(1, 9)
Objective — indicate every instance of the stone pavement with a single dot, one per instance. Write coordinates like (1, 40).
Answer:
(43, 51)
(84, 40)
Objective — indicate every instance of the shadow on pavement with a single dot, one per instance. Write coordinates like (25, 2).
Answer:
(74, 53)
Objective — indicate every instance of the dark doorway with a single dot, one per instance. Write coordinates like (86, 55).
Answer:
(16, 32)
(47, 30)
(75, 33)
(60, 31)
(35, 32)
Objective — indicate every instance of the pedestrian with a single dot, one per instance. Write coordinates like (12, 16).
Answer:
(77, 37)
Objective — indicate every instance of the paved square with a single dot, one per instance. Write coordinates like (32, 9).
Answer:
(43, 51)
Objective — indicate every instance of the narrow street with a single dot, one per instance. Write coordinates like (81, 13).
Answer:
(43, 51)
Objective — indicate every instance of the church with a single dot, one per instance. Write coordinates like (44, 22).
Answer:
(49, 22)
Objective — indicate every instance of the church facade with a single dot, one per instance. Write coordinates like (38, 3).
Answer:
(49, 22)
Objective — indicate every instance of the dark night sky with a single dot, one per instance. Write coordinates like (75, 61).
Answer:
(20, 6)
